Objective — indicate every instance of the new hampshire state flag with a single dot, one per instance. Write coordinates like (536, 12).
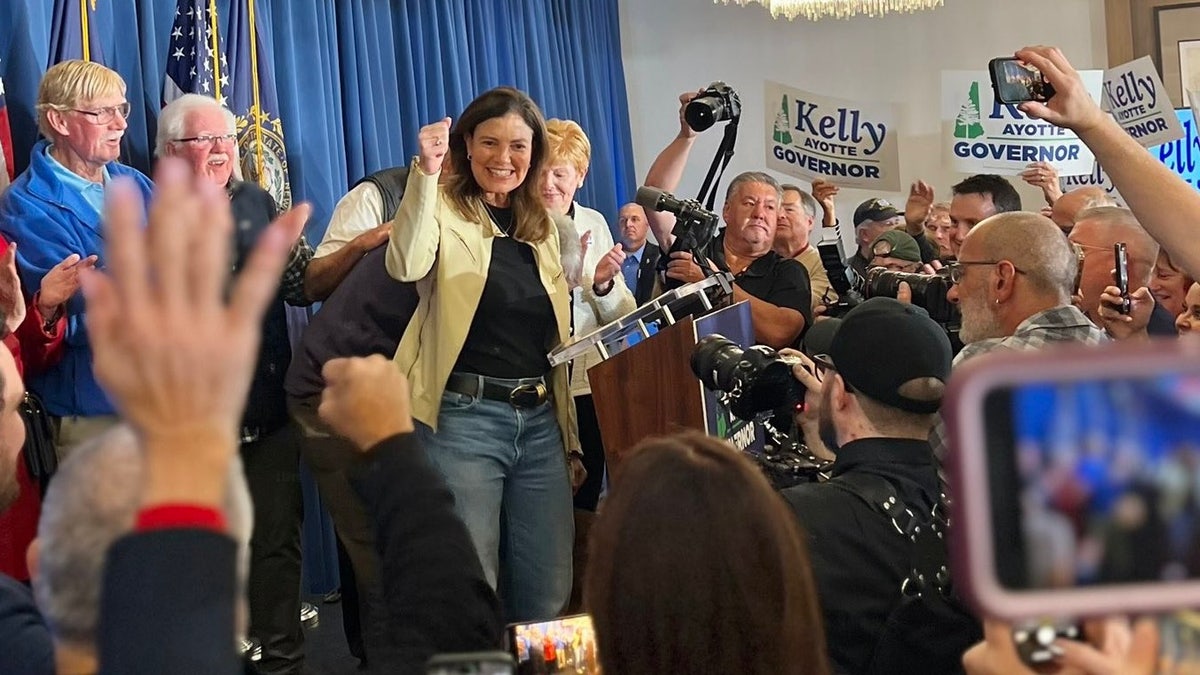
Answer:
(71, 32)
(252, 99)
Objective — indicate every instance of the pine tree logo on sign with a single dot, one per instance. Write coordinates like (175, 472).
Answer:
(967, 124)
(783, 123)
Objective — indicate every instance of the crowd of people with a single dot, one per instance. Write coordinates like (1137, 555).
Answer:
(147, 319)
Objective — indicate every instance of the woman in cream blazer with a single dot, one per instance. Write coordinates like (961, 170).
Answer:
(496, 420)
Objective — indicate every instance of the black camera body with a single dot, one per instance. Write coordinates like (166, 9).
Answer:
(833, 260)
(694, 228)
(928, 292)
(756, 379)
(717, 103)
(757, 384)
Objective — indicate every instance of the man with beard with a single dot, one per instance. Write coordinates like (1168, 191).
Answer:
(1013, 283)
(880, 385)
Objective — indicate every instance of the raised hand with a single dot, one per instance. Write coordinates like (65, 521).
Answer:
(1044, 176)
(433, 142)
(916, 209)
(12, 300)
(685, 98)
(1071, 106)
(173, 354)
(366, 400)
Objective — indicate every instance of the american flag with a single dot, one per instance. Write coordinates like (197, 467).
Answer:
(6, 150)
(196, 55)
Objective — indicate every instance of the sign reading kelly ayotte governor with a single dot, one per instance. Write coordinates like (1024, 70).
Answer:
(849, 143)
(985, 136)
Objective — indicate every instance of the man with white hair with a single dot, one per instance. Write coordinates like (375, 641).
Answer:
(93, 501)
(52, 212)
(200, 131)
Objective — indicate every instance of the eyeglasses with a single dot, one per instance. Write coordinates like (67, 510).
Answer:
(106, 115)
(201, 141)
(824, 364)
(958, 267)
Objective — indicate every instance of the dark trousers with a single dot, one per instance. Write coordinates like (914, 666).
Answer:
(593, 453)
(330, 458)
(272, 466)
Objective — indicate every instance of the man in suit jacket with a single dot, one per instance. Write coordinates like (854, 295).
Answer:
(641, 256)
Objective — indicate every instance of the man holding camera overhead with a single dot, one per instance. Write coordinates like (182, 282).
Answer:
(776, 288)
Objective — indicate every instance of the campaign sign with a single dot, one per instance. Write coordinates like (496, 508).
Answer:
(851, 144)
(1181, 155)
(986, 136)
(1135, 95)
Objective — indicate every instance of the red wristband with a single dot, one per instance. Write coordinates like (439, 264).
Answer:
(180, 516)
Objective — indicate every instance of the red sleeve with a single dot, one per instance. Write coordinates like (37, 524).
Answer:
(180, 516)
(40, 350)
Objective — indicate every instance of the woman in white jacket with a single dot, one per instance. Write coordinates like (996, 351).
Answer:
(602, 294)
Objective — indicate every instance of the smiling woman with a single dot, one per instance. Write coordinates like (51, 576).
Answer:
(496, 419)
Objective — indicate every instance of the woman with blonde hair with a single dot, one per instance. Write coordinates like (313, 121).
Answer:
(602, 295)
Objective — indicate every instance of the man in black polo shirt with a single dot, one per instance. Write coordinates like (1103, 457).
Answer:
(776, 287)
(881, 386)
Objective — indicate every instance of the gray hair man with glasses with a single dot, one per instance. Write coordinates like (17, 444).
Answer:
(52, 213)
(1013, 282)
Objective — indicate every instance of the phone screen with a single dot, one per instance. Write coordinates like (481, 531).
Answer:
(1015, 82)
(566, 645)
(1095, 482)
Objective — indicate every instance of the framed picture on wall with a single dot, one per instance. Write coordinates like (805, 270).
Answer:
(1189, 69)
(1177, 29)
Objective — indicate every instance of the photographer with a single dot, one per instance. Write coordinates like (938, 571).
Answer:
(776, 288)
(875, 413)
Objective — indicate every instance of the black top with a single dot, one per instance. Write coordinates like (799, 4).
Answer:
(266, 407)
(510, 330)
(366, 314)
(858, 559)
(780, 281)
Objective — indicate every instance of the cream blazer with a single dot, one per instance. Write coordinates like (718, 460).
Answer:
(448, 258)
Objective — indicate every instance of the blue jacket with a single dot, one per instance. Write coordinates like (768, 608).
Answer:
(49, 222)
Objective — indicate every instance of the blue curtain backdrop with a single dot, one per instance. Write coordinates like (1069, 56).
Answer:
(357, 78)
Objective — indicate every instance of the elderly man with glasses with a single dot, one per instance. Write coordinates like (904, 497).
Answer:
(52, 212)
(201, 132)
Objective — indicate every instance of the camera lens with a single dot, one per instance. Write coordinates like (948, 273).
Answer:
(702, 113)
(715, 362)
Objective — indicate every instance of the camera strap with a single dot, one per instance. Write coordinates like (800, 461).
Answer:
(708, 190)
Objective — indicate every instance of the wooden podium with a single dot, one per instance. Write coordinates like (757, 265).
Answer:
(649, 389)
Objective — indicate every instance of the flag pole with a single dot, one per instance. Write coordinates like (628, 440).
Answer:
(83, 28)
(255, 110)
(215, 50)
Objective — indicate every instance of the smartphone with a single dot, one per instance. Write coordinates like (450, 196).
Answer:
(475, 663)
(566, 645)
(1121, 275)
(1016, 82)
(1076, 480)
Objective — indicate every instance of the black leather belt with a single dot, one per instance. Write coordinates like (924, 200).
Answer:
(528, 393)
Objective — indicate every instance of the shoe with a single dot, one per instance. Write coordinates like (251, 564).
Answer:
(332, 597)
(251, 649)
(309, 616)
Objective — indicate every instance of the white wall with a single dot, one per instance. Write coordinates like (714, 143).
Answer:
(671, 46)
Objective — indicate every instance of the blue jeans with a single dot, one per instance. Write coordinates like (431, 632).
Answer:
(508, 471)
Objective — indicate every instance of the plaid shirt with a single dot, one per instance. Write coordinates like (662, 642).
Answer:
(1062, 324)
(292, 285)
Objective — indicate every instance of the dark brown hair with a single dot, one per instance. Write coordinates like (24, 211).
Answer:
(697, 566)
(532, 221)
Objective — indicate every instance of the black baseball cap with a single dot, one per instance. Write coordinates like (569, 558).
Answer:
(875, 210)
(819, 338)
(883, 344)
